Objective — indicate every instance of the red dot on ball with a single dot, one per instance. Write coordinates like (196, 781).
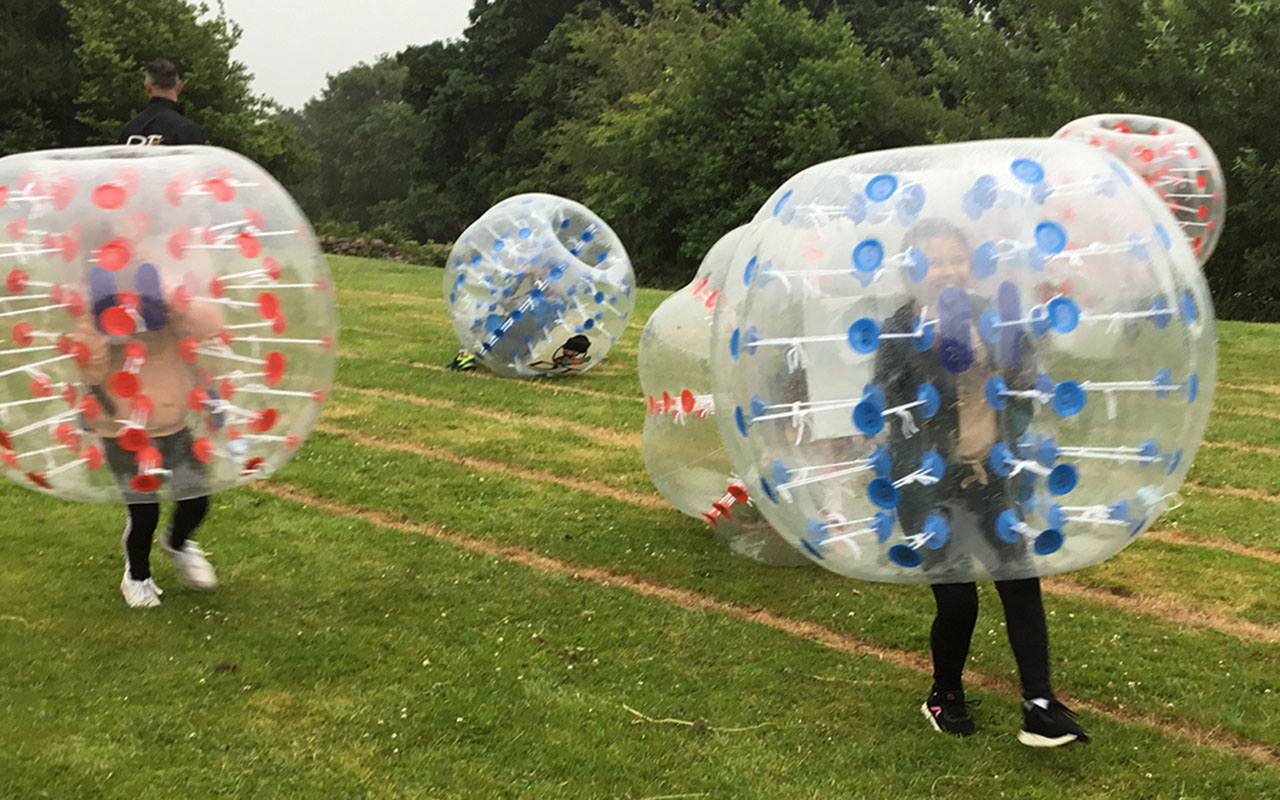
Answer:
(248, 245)
(115, 254)
(124, 384)
(133, 440)
(109, 196)
(117, 322)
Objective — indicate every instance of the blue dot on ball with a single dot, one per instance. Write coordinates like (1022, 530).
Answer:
(1027, 170)
(1050, 237)
(782, 201)
(881, 188)
(868, 255)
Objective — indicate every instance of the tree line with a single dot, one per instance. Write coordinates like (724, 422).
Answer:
(674, 119)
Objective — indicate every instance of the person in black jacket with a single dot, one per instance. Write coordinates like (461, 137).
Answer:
(969, 496)
(162, 121)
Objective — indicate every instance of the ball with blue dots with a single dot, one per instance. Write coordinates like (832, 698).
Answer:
(991, 360)
(540, 286)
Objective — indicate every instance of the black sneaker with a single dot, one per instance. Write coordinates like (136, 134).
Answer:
(948, 712)
(1054, 726)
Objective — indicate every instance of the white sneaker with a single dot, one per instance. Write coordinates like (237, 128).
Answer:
(194, 570)
(140, 594)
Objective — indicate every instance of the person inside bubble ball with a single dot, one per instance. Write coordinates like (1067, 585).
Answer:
(141, 383)
(969, 497)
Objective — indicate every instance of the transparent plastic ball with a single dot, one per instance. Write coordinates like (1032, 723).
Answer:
(539, 285)
(1174, 160)
(169, 323)
(681, 445)
(991, 360)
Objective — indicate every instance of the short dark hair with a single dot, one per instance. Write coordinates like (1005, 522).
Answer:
(162, 74)
(933, 228)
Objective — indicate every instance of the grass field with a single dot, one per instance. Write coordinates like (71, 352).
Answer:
(466, 587)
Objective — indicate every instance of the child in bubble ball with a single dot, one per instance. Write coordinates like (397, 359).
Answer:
(124, 325)
(969, 496)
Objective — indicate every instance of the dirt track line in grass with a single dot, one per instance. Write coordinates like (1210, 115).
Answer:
(1251, 387)
(369, 331)
(1241, 447)
(603, 435)
(1177, 613)
(546, 384)
(1213, 543)
(1238, 412)
(399, 298)
(607, 436)
(693, 601)
(1166, 610)
(1234, 491)
(651, 501)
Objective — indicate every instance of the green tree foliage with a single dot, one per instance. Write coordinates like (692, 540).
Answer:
(78, 69)
(672, 118)
(37, 61)
(364, 134)
(466, 95)
(691, 149)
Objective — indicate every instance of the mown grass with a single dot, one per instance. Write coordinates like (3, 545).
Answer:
(340, 658)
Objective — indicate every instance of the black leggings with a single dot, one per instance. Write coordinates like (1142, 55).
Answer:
(1024, 618)
(141, 527)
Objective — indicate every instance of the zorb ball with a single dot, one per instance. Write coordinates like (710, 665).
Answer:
(1174, 160)
(910, 397)
(681, 445)
(169, 323)
(539, 285)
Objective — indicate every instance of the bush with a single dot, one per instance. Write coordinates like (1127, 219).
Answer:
(388, 233)
(341, 230)
(428, 254)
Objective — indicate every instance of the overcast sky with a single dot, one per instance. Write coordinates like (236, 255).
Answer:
(290, 45)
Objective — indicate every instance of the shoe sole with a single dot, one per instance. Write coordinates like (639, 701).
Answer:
(154, 604)
(1036, 740)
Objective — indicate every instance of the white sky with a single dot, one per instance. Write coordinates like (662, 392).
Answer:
(290, 45)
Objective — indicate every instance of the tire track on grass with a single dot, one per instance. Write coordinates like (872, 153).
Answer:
(689, 600)
(649, 501)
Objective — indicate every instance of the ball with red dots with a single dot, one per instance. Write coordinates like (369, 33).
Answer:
(167, 323)
(1174, 160)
